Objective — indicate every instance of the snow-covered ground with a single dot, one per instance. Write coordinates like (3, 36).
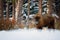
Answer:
(30, 34)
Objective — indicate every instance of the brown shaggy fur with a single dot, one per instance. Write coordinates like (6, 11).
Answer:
(44, 21)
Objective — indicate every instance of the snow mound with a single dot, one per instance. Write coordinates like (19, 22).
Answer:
(30, 34)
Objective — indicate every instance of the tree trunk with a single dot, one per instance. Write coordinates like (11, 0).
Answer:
(40, 7)
(7, 11)
(1, 15)
(7, 17)
(13, 12)
(49, 7)
(18, 12)
(1, 9)
(28, 13)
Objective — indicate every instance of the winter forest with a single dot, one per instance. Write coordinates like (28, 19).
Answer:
(29, 19)
(21, 14)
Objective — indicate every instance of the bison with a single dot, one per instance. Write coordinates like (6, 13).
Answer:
(44, 21)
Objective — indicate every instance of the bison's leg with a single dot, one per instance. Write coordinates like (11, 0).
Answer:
(51, 25)
(39, 27)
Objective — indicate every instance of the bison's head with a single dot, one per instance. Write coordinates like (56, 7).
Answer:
(37, 18)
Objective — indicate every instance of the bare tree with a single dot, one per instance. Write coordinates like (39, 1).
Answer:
(1, 15)
(1, 9)
(28, 13)
(13, 12)
(19, 12)
(7, 17)
(49, 7)
(40, 7)
(7, 11)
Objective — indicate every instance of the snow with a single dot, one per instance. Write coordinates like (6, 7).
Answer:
(30, 34)
(55, 15)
